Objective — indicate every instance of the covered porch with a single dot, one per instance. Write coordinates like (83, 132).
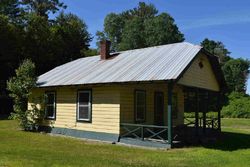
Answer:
(200, 127)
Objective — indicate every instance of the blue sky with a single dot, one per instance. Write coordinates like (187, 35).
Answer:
(223, 20)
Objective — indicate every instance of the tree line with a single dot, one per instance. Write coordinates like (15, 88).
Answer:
(39, 30)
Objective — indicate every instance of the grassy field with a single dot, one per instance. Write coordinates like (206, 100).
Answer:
(18, 148)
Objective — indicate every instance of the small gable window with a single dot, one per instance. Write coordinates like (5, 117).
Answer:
(201, 64)
(84, 106)
(50, 105)
(140, 105)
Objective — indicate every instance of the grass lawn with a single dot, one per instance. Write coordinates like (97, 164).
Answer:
(18, 148)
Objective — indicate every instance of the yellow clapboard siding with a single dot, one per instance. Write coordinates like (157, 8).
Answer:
(105, 108)
(200, 77)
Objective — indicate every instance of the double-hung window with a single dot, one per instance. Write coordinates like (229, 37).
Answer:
(84, 108)
(140, 105)
(50, 105)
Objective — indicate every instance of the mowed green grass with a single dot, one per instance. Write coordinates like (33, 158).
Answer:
(19, 148)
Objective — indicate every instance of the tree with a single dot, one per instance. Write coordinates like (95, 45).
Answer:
(10, 47)
(144, 11)
(11, 9)
(43, 7)
(20, 87)
(91, 52)
(131, 38)
(216, 48)
(162, 30)
(70, 38)
(38, 43)
(139, 27)
(236, 73)
(64, 40)
(113, 26)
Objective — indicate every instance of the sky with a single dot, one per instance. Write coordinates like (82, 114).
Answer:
(221, 20)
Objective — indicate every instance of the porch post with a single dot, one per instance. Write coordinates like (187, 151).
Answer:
(206, 98)
(197, 113)
(219, 113)
(170, 89)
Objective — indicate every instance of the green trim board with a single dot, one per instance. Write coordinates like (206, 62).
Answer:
(109, 137)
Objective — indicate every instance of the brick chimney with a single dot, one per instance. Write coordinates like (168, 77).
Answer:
(105, 49)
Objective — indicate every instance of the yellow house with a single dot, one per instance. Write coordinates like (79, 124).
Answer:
(136, 93)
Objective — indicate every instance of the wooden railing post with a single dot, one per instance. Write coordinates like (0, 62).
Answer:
(142, 133)
(204, 116)
(212, 123)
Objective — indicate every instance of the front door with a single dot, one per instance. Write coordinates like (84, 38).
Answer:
(159, 108)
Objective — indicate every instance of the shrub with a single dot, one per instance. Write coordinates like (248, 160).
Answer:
(20, 89)
(238, 106)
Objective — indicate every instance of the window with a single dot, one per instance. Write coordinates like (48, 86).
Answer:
(140, 105)
(50, 105)
(84, 109)
(174, 105)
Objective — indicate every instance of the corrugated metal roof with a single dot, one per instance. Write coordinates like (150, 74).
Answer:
(164, 62)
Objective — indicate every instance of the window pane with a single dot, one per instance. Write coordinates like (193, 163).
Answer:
(50, 98)
(50, 111)
(50, 104)
(140, 105)
(84, 98)
(84, 112)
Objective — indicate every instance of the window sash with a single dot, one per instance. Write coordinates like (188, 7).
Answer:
(140, 109)
(88, 106)
(47, 105)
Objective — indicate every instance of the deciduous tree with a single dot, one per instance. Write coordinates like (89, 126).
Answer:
(236, 72)
(216, 48)
(140, 27)
(20, 88)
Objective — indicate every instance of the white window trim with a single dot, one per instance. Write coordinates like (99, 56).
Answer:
(89, 105)
(53, 105)
(136, 106)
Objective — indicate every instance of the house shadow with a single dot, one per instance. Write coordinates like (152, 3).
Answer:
(213, 139)
(230, 141)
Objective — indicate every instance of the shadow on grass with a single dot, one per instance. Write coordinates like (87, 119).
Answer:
(231, 141)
